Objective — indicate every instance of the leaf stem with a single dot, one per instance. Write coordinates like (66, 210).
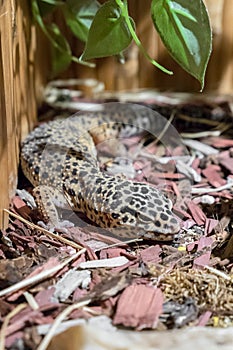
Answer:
(124, 10)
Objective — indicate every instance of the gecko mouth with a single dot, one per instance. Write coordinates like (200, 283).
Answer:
(158, 236)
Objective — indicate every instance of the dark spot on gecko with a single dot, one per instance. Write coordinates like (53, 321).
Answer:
(71, 192)
(157, 223)
(144, 190)
(158, 201)
(164, 216)
(144, 217)
(128, 210)
(74, 181)
(37, 170)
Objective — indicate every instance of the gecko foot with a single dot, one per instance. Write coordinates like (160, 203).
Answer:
(60, 227)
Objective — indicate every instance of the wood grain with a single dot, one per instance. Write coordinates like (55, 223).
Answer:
(19, 86)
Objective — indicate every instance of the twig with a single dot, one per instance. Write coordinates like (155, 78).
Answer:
(210, 190)
(40, 276)
(200, 134)
(123, 243)
(168, 123)
(31, 300)
(46, 232)
(11, 314)
(158, 138)
(218, 273)
(45, 342)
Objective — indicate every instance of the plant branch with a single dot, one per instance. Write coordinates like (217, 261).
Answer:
(124, 10)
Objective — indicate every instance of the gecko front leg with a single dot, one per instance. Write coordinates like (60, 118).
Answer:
(48, 199)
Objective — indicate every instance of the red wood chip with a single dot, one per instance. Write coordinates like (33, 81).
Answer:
(79, 293)
(177, 151)
(44, 297)
(18, 202)
(212, 173)
(151, 254)
(196, 163)
(175, 189)
(175, 176)
(115, 252)
(52, 262)
(139, 307)
(118, 269)
(219, 142)
(191, 246)
(204, 242)
(227, 163)
(210, 224)
(187, 224)
(27, 316)
(21, 207)
(196, 212)
(204, 318)
(203, 260)
(13, 338)
(182, 213)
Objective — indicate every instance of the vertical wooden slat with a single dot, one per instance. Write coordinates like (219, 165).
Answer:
(140, 11)
(226, 50)
(17, 90)
(8, 172)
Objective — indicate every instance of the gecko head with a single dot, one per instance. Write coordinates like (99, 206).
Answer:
(143, 210)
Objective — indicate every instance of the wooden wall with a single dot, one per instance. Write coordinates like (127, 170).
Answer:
(19, 85)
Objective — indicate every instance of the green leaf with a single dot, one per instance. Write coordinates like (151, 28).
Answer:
(60, 48)
(184, 28)
(47, 6)
(79, 16)
(54, 2)
(61, 53)
(131, 27)
(37, 15)
(109, 33)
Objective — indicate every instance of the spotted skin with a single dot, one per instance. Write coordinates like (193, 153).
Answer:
(59, 158)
